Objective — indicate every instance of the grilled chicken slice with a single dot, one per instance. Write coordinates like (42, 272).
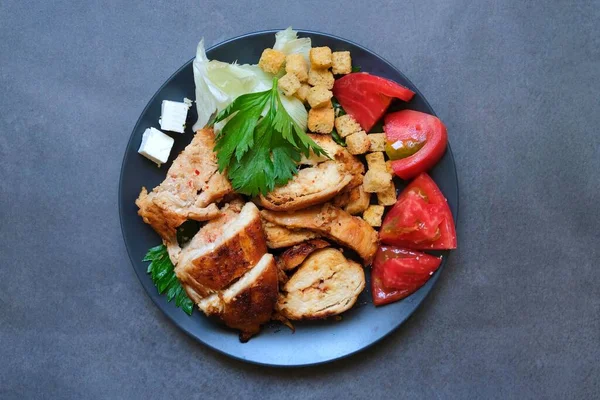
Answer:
(192, 186)
(326, 284)
(331, 222)
(296, 255)
(249, 302)
(222, 251)
(314, 185)
(279, 236)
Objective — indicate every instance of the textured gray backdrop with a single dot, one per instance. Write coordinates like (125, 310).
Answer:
(516, 314)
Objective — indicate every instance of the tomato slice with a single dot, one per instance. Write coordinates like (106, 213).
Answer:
(397, 273)
(366, 96)
(410, 127)
(420, 219)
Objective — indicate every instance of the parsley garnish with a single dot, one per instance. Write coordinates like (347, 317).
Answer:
(356, 68)
(337, 138)
(260, 153)
(164, 278)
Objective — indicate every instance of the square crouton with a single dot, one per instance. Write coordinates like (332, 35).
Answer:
(388, 196)
(376, 161)
(321, 77)
(377, 141)
(271, 61)
(320, 120)
(346, 125)
(376, 181)
(302, 93)
(358, 201)
(296, 64)
(358, 143)
(341, 62)
(319, 96)
(373, 215)
(289, 84)
(320, 57)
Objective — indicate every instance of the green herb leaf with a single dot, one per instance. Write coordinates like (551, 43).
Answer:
(260, 153)
(338, 139)
(339, 111)
(163, 275)
(356, 68)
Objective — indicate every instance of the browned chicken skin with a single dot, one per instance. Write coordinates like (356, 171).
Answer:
(331, 222)
(279, 236)
(326, 284)
(295, 255)
(192, 186)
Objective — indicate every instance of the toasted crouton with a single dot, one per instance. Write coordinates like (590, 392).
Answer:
(302, 93)
(388, 196)
(319, 96)
(388, 166)
(376, 161)
(320, 57)
(377, 141)
(271, 60)
(346, 125)
(358, 143)
(341, 62)
(358, 201)
(373, 215)
(296, 64)
(320, 120)
(322, 77)
(289, 84)
(376, 181)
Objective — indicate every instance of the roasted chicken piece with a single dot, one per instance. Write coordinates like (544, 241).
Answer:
(221, 252)
(249, 302)
(192, 186)
(314, 185)
(279, 236)
(338, 153)
(326, 284)
(296, 255)
(333, 223)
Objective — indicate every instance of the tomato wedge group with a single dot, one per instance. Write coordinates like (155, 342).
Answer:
(366, 97)
(409, 129)
(397, 273)
(420, 219)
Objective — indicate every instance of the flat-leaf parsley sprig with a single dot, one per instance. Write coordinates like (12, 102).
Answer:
(163, 275)
(260, 153)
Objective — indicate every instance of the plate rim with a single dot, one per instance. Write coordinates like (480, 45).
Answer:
(154, 298)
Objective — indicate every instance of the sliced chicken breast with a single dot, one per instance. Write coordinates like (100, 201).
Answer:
(222, 251)
(279, 236)
(296, 255)
(326, 284)
(349, 162)
(314, 185)
(330, 222)
(192, 186)
(249, 302)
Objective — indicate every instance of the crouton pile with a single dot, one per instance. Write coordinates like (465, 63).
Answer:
(311, 81)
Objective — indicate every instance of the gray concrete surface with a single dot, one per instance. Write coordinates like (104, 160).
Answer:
(515, 315)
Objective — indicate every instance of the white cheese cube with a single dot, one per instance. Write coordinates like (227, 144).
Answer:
(156, 146)
(173, 115)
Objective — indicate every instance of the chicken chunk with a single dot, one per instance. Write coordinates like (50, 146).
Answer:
(311, 186)
(326, 284)
(249, 302)
(192, 186)
(279, 236)
(222, 251)
(331, 222)
(296, 255)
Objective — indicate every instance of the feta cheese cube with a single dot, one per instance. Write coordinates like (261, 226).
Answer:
(173, 115)
(156, 146)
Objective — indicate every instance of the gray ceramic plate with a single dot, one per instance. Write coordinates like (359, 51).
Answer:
(313, 342)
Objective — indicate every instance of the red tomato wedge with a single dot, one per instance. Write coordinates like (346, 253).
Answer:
(397, 273)
(408, 127)
(366, 96)
(420, 219)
